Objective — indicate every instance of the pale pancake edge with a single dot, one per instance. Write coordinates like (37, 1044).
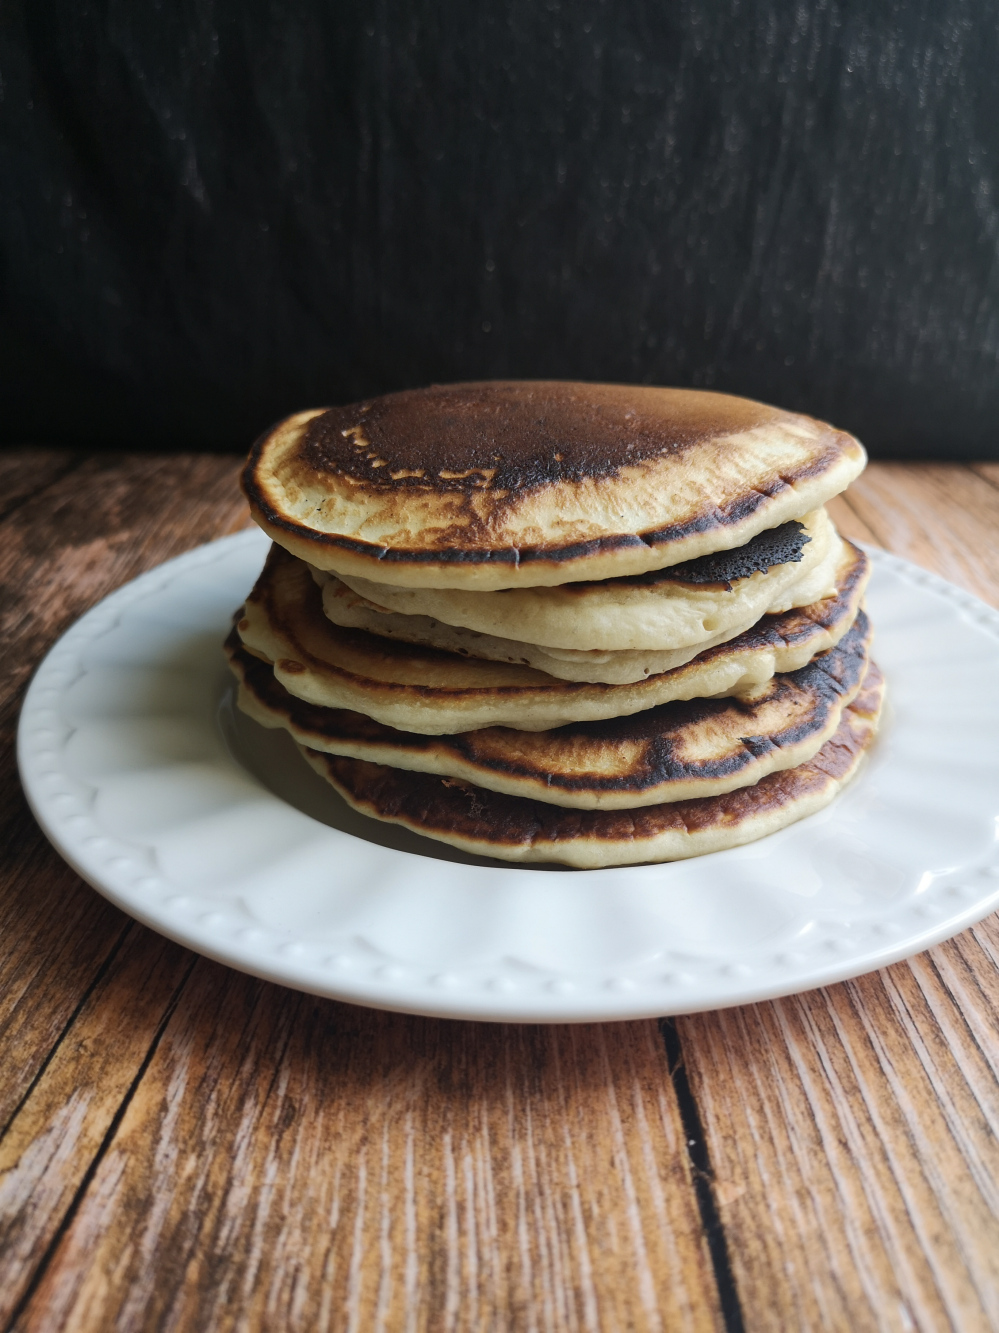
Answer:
(583, 624)
(433, 692)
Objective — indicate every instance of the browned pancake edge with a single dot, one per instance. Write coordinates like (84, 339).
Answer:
(524, 483)
(510, 828)
(395, 681)
(676, 751)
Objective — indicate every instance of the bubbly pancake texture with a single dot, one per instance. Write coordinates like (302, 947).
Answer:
(434, 692)
(511, 828)
(678, 751)
(651, 611)
(516, 484)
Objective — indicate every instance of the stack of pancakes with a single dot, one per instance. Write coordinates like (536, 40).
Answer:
(593, 624)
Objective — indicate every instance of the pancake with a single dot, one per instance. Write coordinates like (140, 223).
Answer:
(435, 693)
(775, 546)
(676, 752)
(489, 823)
(579, 623)
(345, 607)
(517, 484)
(612, 667)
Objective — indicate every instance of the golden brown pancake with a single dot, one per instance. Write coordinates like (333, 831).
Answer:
(591, 624)
(488, 823)
(434, 692)
(517, 484)
(345, 607)
(678, 751)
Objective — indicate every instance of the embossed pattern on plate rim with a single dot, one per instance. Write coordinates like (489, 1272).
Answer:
(121, 869)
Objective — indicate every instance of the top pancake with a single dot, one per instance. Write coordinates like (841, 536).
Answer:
(507, 484)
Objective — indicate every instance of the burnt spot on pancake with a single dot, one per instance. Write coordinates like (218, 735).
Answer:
(457, 555)
(508, 435)
(654, 746)
(456, 546)
(481, 818)
(775, 546)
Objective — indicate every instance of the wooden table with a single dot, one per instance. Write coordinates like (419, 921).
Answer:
(184, 1147)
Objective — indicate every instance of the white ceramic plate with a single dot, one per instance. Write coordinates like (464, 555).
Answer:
(215, 832)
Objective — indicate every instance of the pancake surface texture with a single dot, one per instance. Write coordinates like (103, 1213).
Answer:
(434, 692)
(488, 823)
(518, 484)
(651, 611)
(678, 751)
(345, 607)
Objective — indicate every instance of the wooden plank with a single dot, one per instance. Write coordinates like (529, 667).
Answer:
(288, 1162)
(853, 1130)
(25, 472)
(50, 1144)
(78, 536)
(987, 471)
(853, 1135)
(943, 516)
(48, 958)
(90, 531)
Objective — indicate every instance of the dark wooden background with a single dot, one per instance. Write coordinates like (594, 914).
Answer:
(220, 211)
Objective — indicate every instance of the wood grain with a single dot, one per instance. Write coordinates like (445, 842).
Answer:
(58, 1128)
(987, 471)
(336, 1168)
(942, 516)
(25, 472)
(76, 537)
(183, 1147)
(870, 1111)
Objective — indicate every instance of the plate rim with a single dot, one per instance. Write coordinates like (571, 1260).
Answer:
(285, 964)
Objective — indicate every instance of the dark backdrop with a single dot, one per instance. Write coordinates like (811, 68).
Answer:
(218, 211)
